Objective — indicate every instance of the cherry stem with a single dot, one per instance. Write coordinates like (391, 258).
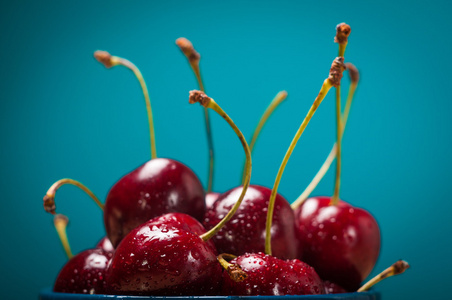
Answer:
(333, 79)
(354, 75)
(193, 58)
(279, 98)
(110, 61)
(204, 100)
(60, 222)
(342, 32)
(397, 268)
(49, 198)
(339, 130)
(234, 271)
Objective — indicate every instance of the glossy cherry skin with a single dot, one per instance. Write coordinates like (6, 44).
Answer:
(245, 232)
(157, 187)
(84, 273)
(105, 244)
(161, 259)
(268, 275)
(341, 242)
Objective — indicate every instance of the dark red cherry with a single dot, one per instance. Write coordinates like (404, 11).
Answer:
(341, 242)
(268, 275)
(105, 244)
(159, 186)
(84, 273)
(158, 258)
(245, 232)
(211, 198)
(333, 288)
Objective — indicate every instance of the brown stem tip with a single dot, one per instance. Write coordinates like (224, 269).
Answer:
(337, 67)
(199, 96)
(352, 72)
(187, 48)
(236, 273)
(104, 58)
(400, 266)
(342, 32)
(49, 203)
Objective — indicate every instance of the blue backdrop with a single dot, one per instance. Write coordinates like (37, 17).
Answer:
(65, 115)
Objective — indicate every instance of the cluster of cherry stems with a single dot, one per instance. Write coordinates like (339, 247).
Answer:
(165, 231)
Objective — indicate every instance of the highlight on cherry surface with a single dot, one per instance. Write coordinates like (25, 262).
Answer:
(354, 79)
(110, 61)
(193, 58)
(60, 222)
(200, 97)
(397, 268)
(333, 79)
(49, 197)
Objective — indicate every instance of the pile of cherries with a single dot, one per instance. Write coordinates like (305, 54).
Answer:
(167, 235)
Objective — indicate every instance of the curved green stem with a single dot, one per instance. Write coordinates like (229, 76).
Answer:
(279, 98)
(323, 92)
(110, 61)
(49, 198)
(397, 268)
(197, 96)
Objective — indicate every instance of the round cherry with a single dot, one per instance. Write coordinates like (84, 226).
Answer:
(84, 273)
(340, 241)
(159, 186)
(246, 230)
(267, 276)
(164, 258)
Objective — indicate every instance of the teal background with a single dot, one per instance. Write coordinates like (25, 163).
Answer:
(64, 115)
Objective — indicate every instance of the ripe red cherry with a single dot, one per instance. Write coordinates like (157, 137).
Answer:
(341, 242)
(84, 273)
(159, 258)
(157, 187)
(268, 275)
(245, 232)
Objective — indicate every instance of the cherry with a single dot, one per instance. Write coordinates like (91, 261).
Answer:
(166, 255)
(164, 259)
(267, 275)
(340, 241)
(246, 230)
(157, 187)
(84, 273)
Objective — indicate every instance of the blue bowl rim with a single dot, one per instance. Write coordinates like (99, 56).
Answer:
(49, 294)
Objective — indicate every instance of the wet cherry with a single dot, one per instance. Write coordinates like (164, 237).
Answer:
(164, 259)
(267, 275)
(105, 245)
(84, 273)
(246, 230)
(340, 241)
(155, 188)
